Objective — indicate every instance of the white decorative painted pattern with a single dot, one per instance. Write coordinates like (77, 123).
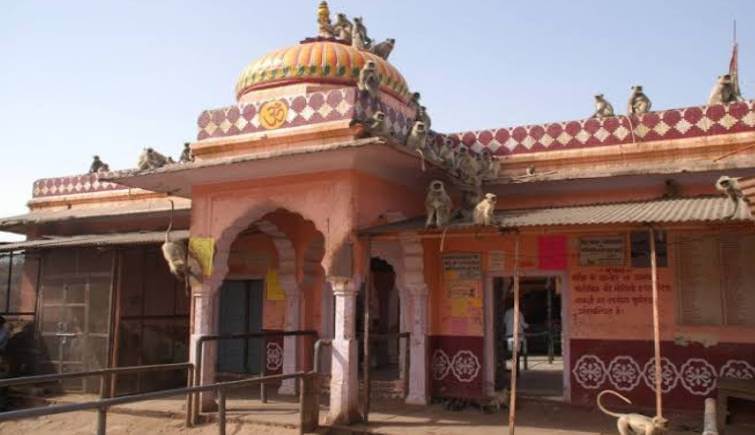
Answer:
(696, 375)
(441, 365)
(274, 356)
(465, 366)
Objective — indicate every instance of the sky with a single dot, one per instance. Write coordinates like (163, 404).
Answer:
(79, 78)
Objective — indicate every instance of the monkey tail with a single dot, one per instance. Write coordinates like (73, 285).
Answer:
(602, 408)
(422, 159)
(170, 224)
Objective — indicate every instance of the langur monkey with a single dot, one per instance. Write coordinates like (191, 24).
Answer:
(369, 82)
(730, 187)
(603, 108)
(634, 424)
(384, 49)
(639, 103)
(484, 211)
(182, 264)
(438, 205)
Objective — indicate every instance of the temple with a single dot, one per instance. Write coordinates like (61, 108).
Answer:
(304, 203)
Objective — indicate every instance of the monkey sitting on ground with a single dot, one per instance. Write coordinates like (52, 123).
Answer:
(639, 103)
(730, 187)
(183, 265)
(384, 49)
(438, 205)
(369, 81)
(723, 91)
(187, 155)
(98, 166)
(603, 108)
(634, 424)
(151, 159)
(484, 212)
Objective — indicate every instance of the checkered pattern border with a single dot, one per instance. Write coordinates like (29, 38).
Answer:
(666, 125)
(398, 116)
(307, 109)
(72, 185)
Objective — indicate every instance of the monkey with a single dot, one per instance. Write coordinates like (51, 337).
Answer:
(603, 108)
(187, 155)
(639, 103)
(342, 28)
(423, 116)
(384, 49)
(417, 140)
(723, 91)
(438, 205)
(484, 211)
(151, 159)
(359, 38)
(375, 126)
(414, 101)
(182, 264)
(634, 424)
(671, 189)
(98, 165)
(730, 187)
(488, 166)
(369, 81)
(446, 154)
(468, 167)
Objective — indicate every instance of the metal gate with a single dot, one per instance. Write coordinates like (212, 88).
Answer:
(73, 323)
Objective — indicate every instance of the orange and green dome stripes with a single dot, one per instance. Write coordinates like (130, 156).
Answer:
(319, 61)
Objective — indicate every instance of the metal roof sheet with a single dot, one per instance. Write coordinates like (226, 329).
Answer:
(138, 238)
(661, 211)
(41, 217)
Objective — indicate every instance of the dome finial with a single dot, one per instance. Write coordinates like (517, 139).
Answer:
(325, 29)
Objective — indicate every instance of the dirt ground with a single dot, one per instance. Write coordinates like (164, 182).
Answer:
(279, 416)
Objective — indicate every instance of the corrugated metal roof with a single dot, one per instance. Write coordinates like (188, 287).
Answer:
(661, 211)
(115, 239)
(41, 217)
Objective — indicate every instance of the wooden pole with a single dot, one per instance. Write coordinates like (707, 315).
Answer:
(656, 327)
(515, 353)
(366, 338)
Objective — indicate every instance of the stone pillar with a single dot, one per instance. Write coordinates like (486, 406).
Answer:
(204, 307)
(418, 346)
(291, 343)
(415, 286)
(344, 383)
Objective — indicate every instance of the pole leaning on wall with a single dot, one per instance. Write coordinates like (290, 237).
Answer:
(656, 325)
(515, 354)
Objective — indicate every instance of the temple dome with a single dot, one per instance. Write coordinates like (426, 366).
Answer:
(318, 61)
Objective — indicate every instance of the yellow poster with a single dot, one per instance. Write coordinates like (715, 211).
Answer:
(273, 290)
(459, 307)
(203, 249)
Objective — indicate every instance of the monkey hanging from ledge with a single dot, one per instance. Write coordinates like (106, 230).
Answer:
(182, 263)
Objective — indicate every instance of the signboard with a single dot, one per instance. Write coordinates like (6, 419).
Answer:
(203, 248)
(462, 274)
(602, 251)
(496, 261)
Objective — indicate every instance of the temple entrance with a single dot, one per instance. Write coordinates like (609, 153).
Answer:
(385, 326)
(240, 312)
(540, 362)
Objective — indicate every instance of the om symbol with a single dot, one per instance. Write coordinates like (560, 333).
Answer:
(273, 114)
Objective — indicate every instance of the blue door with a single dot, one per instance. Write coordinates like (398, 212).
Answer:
(240, 312)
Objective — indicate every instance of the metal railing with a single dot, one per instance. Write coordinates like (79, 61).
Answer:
(105, 384)
(308, 396)
(199, 351)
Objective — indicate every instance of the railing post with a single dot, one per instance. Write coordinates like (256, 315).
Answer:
(196, 400)
(710, 422)
(309, 403)
(189, 397)
(101, 420)
(221, 411)
(263, 363)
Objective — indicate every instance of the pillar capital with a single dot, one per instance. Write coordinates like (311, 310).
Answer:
(342, 286)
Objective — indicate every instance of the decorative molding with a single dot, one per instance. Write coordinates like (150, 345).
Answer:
(670, 124)
(71, 185)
